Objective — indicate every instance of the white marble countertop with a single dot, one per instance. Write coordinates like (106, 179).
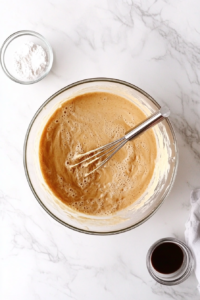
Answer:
(153, 44)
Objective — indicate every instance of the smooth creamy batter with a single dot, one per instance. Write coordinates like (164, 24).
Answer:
(85, 123)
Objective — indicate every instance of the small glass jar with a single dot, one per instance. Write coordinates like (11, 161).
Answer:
(178, 276)
(9, 47)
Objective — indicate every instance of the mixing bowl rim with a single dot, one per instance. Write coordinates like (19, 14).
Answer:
(89, 80)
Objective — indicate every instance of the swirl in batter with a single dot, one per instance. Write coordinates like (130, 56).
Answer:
(84, 123)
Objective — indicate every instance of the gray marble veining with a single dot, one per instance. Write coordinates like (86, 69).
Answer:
(154, 44)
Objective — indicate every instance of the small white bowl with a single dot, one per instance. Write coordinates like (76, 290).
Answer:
(12, 43)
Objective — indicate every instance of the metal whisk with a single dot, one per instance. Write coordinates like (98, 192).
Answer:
(115, 146)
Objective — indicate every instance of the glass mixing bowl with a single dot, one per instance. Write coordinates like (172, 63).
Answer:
(158, 189)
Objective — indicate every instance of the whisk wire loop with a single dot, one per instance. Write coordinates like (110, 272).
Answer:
(115, 146)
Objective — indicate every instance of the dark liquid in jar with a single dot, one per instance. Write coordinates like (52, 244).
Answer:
(167, 258)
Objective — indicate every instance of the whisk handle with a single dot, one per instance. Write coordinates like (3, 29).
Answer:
(148, 123)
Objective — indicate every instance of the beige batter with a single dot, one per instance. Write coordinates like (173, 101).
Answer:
(82, 124)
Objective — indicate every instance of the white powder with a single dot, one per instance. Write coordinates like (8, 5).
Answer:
(30, 61)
